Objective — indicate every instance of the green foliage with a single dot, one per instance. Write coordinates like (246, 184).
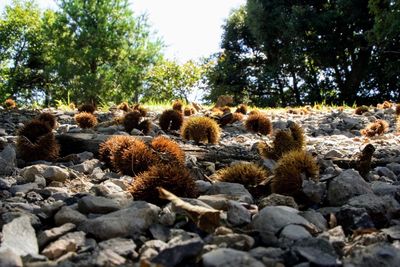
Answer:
(169, 80)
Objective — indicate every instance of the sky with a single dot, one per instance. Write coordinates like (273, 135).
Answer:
(190, 28)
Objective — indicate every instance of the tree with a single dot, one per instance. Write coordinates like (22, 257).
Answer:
(21, 53)
(169, 80)
(103, 50)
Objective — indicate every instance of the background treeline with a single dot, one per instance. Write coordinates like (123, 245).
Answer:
(274, 53)
(86, 51)
(278, 52)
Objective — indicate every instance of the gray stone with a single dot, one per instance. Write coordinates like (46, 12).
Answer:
(87, 166)
(8, 160)
(29, 173)
(108, 257)
(93, 204)
(122, 223)
(291, 233)
(382, 188)
(278, 200)
(345, 186)
(393, 232)
(315, 192)
(219, 202)
(272, 253)
(68, 215)
(151, 248)
(202, 186)
(19, 236)
(384, 171)
(121, 246)
(336, 237)
(333, 154)
(23, 188)
(9, 259)
(52, 234)
(237, 214)
(176, 253)
(223, 257)
(381, 254)
(315, 218)
(394, 167)
(235, 241)
(374, 205)
(6, 183)
(353, 218)
(270, 220)
(232, 190)
(54, 173)
(319, 252)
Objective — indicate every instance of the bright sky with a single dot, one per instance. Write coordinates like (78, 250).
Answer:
(190, 28)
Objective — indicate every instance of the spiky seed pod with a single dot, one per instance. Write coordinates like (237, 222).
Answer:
(141, 109)
(248, 174)
(133, 157)
(188, 111)
(225, 119)
(112, 144)
(85, 120)
(45, 147)
(173, 178)
(71, 106)
(398, 110)
(48, 119)
(201, 129)
(237, 117)
(168, 150)
(9, 104)
(124, 106)
(361, 110)
(259, 123)
(290, 171)
(34, 129)
(379, 127)
(254, 111)
(170, 120)
(131, 120)
(177, 105)
(242, 108)
(89, 108)
(285, 141)
(145, 126)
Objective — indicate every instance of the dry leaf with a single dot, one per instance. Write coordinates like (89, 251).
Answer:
(206, 219)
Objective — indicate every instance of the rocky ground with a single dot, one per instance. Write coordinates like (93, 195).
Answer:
(78, 213)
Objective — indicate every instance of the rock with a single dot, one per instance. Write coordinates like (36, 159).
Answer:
(52, 234)
(374, 205)
(393, 232)
(87, 166)
(278, 200)
(319, 252)
(336, 238)
(108, 257)
(315, 218)
(292, 233)
(238, 214)
(9, 259)
(333, 154)
(229, 257)
(93, 204)
(22, 244)
(235, 241)
(384, 171)
(54, 173)
(126, 222)
(315, 192)
(234, 191)
(219, 202)
(58, 248)
(381, 254)
(353, 218)
(23, 188)
(202, 186)
(382, 188)
(121, 246)
(394, 167)
(345, 186)
(270, 220)
(151, 248)
(68, 215)
(176, 253)
(8, 160)
(260, 253)
(29, 173)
